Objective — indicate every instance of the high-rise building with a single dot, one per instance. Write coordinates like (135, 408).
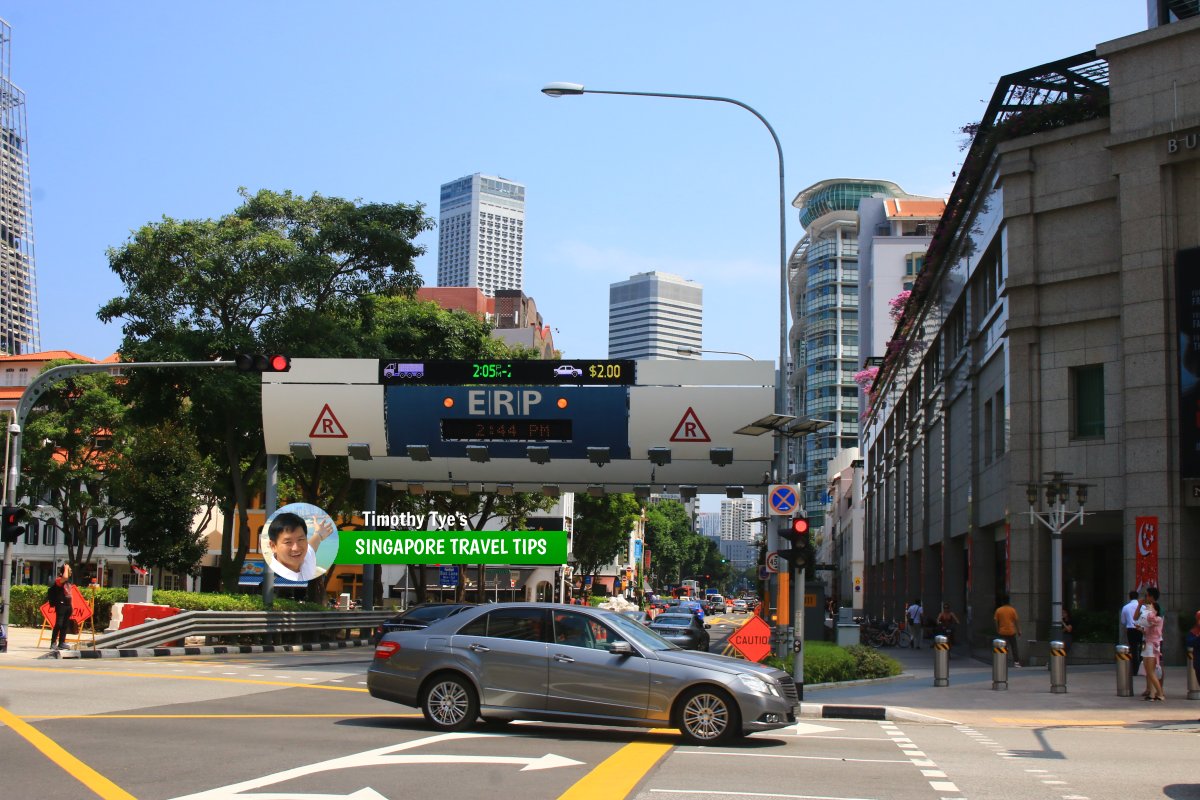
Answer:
(735, 519)
(708, 523)
(824, 286)
(654, 315)
(19, 327)
(481, 234)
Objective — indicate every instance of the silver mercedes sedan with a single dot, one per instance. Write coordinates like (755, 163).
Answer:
(574, 664)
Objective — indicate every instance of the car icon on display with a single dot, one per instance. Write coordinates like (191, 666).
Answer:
(568, 371)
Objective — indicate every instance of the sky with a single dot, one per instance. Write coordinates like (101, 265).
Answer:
(140, 110)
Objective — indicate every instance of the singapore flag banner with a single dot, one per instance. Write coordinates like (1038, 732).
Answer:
(1145, 570)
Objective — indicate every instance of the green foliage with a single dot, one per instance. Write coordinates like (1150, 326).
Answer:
(825, 662)
(1094, 626)
(602, 526)
(69, 455)
(26, 600)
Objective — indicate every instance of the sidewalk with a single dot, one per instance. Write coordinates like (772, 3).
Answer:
(1091, 697)
(23, 645)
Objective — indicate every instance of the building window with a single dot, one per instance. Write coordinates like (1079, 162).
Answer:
(989, 431)
(1087, 402)
(31, 531)
(1001, 424)
(112, 534)
(93, 532)
(51, 533)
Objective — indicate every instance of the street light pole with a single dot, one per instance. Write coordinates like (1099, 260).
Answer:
(564, 89)
(1056, 518)
(695, 351)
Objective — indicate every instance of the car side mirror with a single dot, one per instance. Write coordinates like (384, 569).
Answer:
(621, 649)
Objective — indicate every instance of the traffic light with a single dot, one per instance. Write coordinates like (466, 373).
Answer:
(800, 555)
(12, 529)
(258, 362)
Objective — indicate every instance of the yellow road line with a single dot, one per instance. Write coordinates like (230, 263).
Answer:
(216, 716)
(78, 770)
(616, 776)
(159, 676)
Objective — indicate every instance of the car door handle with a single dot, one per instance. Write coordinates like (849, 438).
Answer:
(480, 648)
(563, 659)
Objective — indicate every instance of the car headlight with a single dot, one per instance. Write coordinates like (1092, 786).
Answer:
(757, 684)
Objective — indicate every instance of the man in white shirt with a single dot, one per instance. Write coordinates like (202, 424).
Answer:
(916, 626)
(294, 555)
(1133, 634)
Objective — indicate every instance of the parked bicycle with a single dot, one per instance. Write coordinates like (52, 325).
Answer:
(884, 633)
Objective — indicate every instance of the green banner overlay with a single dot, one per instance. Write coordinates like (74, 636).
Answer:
(452, 547)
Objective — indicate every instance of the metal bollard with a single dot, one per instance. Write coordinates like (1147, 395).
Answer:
(1193, 680)
(1058, 668)
(1124, 671)
(941, 661)
(999, 665)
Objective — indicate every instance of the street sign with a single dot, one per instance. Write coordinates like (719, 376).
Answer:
(753, 639)
(448, 576)
(763, 573)
(782, 499)
(773, 561)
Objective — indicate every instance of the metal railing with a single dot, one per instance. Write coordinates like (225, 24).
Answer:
(267, 626)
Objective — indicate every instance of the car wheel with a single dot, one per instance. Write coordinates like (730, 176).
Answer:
(449, 703)
(708, 716)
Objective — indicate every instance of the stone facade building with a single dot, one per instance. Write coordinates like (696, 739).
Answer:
(1043, 338)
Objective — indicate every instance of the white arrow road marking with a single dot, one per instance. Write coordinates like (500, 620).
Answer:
(377, 757)
(801, 728)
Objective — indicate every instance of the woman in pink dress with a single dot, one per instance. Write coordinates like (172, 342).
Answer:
(1151, 622)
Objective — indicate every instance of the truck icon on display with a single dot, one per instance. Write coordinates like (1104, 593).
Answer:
(398, 370)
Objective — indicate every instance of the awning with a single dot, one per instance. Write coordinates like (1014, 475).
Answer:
(252, 575)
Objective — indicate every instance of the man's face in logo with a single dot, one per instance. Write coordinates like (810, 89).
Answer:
(290, 547)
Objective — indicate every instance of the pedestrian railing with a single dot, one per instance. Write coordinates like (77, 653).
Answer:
(263, 626)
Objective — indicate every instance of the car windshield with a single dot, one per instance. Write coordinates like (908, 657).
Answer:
(427, 614)
(639, 634)
(672, 621)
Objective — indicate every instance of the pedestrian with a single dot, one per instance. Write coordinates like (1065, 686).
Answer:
(1133, 634)
(916, 625)
(1151, 623)
(1193, 644)
(1008, 627)
(1068, 629)
(59, 598)
(946, 622)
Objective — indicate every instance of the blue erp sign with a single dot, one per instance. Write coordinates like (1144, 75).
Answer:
(568, 419)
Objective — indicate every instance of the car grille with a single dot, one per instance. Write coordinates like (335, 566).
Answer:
(789, 691)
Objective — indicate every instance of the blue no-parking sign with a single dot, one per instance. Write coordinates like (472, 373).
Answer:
(783, 499)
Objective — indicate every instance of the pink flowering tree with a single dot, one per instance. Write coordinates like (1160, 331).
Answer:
(897, 303)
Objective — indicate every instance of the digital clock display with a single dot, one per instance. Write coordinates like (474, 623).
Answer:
(491, 371)
(506, 430)
(524, 372)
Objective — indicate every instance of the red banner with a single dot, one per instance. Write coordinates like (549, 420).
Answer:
(1145, 570)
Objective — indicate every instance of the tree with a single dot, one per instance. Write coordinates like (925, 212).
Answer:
(69, 456)
(669, 536)
(166, 487)
(279, 274)
(602, 526)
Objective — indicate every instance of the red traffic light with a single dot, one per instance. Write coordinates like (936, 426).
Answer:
(258, 362)
(799, 526)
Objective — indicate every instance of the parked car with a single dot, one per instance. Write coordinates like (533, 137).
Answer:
(541, 661)
(682, 630)
(418, 617)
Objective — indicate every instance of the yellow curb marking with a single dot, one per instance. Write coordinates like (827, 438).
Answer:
(78, 770)
(616, 776)
(105, 673)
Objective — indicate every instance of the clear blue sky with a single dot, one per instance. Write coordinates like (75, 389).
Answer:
(138, 110)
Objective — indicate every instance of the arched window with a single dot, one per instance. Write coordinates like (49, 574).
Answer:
(51, 537)
(93, 532)
(31, 531)
(112, 534)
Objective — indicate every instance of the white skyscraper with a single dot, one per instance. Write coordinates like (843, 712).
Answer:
(19, 326)
(735, 516)
(481, 234)
(653, 314)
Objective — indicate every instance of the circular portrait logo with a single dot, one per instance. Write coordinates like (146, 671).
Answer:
(299, 542)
